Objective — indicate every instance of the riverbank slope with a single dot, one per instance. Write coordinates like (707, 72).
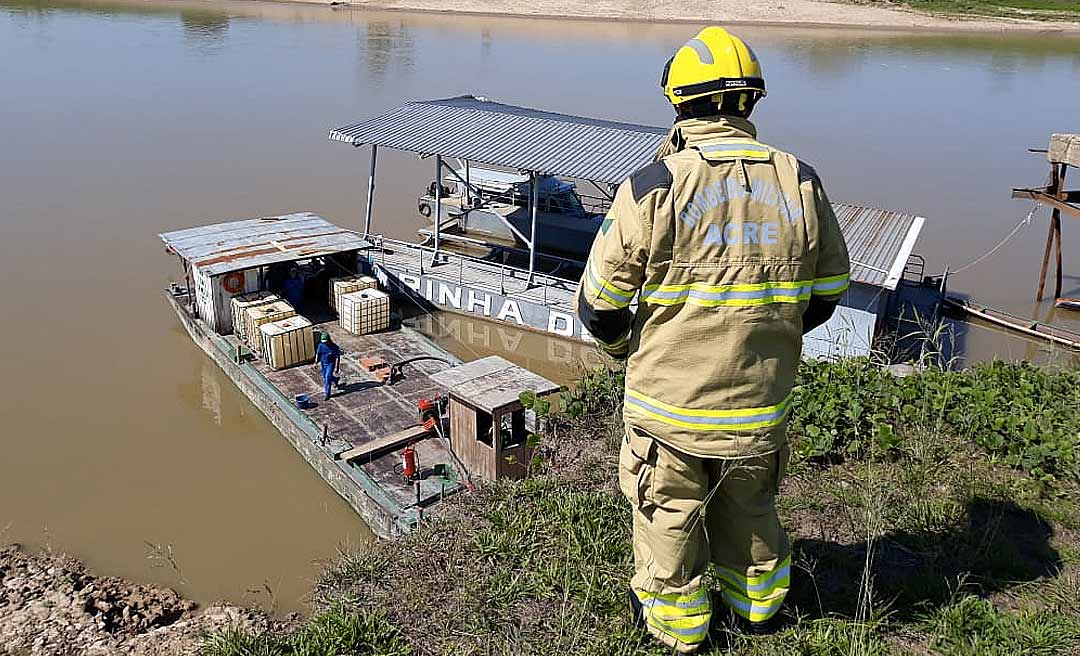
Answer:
(51, 604)
(936, 513)
(972, 16)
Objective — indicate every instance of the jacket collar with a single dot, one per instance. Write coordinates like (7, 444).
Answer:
(693, 131)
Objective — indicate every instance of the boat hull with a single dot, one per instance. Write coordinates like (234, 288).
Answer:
(362, 494)
(556, 234)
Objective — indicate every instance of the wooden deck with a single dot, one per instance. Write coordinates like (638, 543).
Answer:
(363, 411)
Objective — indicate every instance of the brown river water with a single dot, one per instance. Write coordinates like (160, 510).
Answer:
(121, 120)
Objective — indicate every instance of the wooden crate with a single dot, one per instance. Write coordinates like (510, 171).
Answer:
(260, 314)
(287, 342)
(363, 312)
(242, 302)
(347, 284)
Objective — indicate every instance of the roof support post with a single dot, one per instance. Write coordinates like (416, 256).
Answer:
(468, 186)
(370, 190)
(534, 201)
(437, 213)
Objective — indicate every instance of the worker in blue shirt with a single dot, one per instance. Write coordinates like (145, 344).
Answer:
(294, 288)
(327, 356)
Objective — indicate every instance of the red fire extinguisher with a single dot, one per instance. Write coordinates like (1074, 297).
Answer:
(409, 466)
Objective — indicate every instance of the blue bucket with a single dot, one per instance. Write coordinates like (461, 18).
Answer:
(303, 401)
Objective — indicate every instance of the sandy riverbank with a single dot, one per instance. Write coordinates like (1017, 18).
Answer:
(750, 12)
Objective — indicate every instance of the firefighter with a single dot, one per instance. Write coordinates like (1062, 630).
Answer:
(733, 253)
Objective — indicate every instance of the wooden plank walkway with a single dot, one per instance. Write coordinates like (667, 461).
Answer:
(383, 444)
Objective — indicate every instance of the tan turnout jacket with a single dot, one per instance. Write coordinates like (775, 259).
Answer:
(723, 241)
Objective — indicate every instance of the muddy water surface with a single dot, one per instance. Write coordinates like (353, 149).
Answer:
(118, 121)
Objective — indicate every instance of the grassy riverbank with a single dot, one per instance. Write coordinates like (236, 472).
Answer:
(1044, 10)
(936, 513)
(946, 15)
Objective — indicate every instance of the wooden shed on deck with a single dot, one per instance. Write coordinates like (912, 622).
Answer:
(488, 428)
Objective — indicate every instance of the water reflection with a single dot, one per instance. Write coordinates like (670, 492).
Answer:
(386, 48)
(485, 43)
(560, 360)
(205, 30)
(211, 392)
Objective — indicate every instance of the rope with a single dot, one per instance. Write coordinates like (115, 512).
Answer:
(1023, 222)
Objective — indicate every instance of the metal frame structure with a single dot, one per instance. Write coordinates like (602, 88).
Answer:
(534, 142)
(600, 152)
(534, 202)
(1055, 196)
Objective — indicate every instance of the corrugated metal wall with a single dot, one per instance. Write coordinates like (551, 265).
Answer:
(214, 302)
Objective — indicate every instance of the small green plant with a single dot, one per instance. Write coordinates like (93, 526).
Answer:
(334, 632)
(1025, 416)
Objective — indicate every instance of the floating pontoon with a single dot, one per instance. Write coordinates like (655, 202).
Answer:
(356, 440)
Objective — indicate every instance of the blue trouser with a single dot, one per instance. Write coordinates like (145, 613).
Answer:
(328, 378)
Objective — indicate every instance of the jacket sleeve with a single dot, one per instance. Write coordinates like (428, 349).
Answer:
(614, 273)
(833, 268)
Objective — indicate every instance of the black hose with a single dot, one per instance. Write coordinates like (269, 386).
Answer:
(396, 367)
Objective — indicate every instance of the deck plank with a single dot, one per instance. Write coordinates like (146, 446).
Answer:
(388, 443)
(364, 410)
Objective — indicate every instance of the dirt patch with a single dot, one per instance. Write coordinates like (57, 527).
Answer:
(51, 604)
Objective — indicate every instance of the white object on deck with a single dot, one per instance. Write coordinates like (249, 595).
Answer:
(256, 316)
(287, 342)
(365, 311)
(346, 284)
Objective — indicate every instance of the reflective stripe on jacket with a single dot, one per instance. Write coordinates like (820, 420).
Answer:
(723, 242)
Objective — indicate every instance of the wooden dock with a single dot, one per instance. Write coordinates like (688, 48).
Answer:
(1029, 327)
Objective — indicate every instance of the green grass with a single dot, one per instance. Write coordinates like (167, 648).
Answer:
(974, 627)
(1027, 9)
(334, 632)
(933, 539)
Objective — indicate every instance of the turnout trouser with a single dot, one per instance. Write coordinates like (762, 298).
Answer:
(689, 511)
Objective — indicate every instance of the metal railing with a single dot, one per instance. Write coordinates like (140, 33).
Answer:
(505, 274)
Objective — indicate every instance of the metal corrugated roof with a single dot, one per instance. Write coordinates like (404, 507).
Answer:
(879, 242)
(480, 130)
(238, 245)
(472, 128)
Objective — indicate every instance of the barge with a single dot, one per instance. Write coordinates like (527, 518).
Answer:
(487, 253)
(385, 440)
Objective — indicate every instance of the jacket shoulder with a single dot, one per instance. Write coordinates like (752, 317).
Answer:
(650, 178)
(807, 173)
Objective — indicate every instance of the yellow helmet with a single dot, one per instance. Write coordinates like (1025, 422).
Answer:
(712, 63)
